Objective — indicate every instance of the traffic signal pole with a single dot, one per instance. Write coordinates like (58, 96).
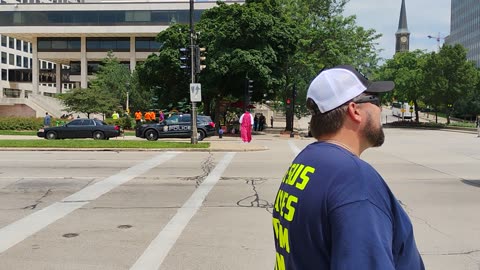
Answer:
(193, 123)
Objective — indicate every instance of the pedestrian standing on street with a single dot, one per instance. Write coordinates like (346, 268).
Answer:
(262, 121)
(47, 120)
(246, 121)
(138, 118)
(255, 122)
(115, 115)
(161, 116)
(334, 210)
(271, 121)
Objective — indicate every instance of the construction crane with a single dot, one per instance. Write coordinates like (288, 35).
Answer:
(438, 38)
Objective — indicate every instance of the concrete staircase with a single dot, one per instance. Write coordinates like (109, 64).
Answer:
(46, 104)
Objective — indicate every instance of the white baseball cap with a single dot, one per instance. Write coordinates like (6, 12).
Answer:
(334, 87)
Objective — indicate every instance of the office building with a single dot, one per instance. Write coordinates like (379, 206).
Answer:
(76, 35)
(465, 27)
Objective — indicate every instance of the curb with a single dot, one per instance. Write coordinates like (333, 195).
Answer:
(226, 149)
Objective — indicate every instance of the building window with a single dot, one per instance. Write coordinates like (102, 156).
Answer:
(25, 62)
(4, 58)
(11, 43)
(4, 41)
(108, 44)
(19, 44)
(25, 46)
(11, 59)
(75, 68)
(147, 44)
(4, 75)
(138, 16)
(19, 61)
(59, 44)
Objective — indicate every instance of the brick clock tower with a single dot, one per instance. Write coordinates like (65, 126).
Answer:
(402, 35)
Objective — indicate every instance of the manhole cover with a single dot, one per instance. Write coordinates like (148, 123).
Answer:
(70, 235)
(125, 226)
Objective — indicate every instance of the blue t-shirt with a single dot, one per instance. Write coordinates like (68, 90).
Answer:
(334, 211)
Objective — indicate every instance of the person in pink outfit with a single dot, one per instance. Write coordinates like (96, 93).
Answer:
(246, 121)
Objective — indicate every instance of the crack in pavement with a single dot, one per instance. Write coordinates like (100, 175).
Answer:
(255, 200)
(207, 166)
(38, 201)
(411, 215)
(457, 253)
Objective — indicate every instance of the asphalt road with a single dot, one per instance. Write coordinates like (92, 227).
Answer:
(212, 210)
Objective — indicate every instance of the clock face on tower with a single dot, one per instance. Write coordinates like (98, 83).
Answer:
(403, 39)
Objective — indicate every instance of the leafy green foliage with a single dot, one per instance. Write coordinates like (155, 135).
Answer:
(280, 44)
(21, 123)
(107, 91)
(160, 77)
(406, 69)
(88, 101)
(449, 77)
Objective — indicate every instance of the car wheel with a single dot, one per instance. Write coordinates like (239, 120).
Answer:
(200, 135)
(151, 135)
(51, 135)
(98, 135)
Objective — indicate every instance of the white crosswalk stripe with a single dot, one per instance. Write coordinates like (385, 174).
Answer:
(27, 226)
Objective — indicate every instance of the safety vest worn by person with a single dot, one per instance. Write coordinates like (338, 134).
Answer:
(138, 116)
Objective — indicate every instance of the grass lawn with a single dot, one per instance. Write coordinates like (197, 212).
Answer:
(34, 132)
(88, 143)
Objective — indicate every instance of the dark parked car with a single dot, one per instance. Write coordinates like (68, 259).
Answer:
(177, 126)
(81, 128)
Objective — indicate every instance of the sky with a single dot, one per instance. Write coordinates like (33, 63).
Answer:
(424, 18)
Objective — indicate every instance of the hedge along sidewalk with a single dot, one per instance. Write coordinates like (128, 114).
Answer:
(100, 144)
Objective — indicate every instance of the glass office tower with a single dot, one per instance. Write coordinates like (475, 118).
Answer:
(465, 27)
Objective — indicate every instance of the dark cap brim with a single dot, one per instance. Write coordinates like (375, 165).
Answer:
(380, 86)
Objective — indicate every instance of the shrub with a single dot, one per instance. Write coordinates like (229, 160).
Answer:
(123, 122)
(414, 124)
(21, 123)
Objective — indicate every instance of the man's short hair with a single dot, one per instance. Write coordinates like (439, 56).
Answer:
(326, 123)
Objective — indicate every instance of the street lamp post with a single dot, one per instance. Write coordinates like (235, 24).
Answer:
(127, 107)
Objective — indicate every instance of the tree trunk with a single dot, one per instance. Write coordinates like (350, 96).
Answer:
(417, 119)
(289, 118)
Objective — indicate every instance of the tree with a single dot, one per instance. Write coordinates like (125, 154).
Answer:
(243, 41)
(113, 78)
(107, 91)
(88, 101)
(325, 39)
(406, 69)
(279, 44)
(449, 77)
(160, 76)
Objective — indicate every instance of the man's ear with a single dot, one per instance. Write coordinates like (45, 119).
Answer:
(353, 112)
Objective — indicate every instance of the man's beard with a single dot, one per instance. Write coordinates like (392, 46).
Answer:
(374, 135)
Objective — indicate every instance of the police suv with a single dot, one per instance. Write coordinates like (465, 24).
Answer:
(176, 126)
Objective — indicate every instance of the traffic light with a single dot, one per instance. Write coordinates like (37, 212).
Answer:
(249, 89)
(185, 60)
(200, 59)
(248, 92)
(288, 101)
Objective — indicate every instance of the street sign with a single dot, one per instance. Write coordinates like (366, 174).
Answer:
(195, 92)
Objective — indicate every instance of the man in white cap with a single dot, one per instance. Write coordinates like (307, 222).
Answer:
(333, 210)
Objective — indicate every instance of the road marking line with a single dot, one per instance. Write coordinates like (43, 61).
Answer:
(19, 230)
(158, 249)
(294, 148)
